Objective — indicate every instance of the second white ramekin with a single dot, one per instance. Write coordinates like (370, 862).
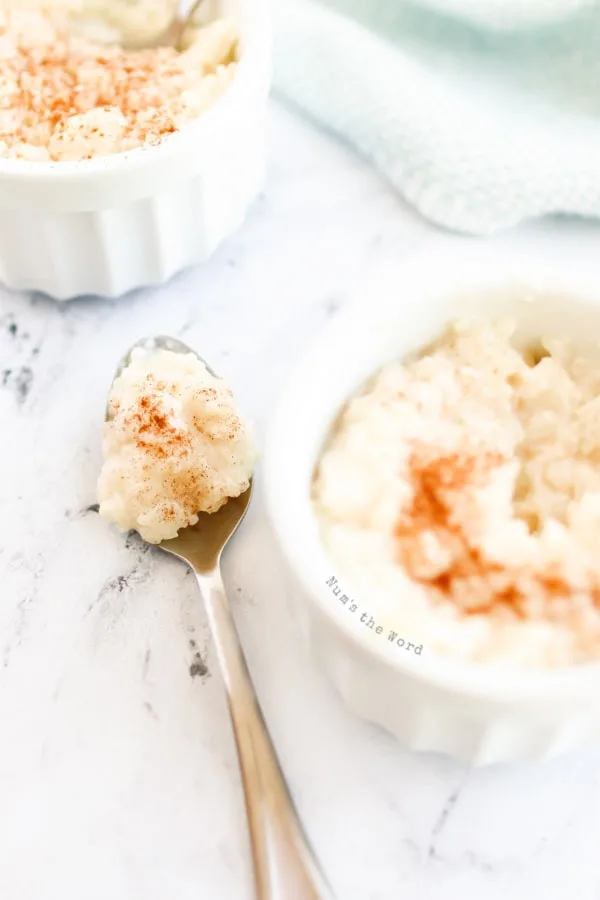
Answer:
(479, 713)
(108, 225)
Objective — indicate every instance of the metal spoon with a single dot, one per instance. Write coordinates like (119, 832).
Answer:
(172, 36)
(285, 867)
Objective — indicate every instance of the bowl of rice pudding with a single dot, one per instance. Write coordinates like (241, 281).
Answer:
(433, 478)
(120, 167)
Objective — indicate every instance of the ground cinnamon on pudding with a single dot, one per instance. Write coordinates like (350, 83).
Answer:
(64, 97)
(154, 433)
(458, 494)
(435, 548)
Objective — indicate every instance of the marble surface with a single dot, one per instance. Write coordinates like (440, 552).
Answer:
(118, 776)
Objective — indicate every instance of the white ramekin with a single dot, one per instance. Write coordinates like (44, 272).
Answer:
(481, 714)
(108, 225)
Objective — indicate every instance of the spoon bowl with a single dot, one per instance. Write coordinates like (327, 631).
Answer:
(153, 345)
(202, 544)
(284, 863)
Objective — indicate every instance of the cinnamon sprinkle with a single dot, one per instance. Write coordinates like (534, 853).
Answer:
(464, 575)
(66, 98)
(152, 431)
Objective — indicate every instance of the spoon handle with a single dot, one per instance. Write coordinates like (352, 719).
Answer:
(285, 867)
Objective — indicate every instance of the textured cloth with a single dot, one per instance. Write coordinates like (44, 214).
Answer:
(509, 14)
(479, 128)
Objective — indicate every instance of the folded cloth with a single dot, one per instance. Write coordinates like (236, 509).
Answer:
(479, 129)
(509, 14)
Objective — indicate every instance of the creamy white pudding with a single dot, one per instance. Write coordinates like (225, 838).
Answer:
(459, 496)
(174, 446)
(69, 91)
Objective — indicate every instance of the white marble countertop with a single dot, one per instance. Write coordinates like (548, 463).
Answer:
(118, 776)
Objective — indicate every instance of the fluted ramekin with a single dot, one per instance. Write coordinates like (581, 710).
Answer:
(108, 225)
(476, 712)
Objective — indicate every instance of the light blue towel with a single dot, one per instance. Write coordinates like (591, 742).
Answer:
(478, 127)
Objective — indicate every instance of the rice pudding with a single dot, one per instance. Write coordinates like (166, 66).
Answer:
(174, 446)
(459, 496)
(108, 21)
(70, 92)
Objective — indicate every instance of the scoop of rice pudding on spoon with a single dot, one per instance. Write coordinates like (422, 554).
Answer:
(174, 445)
(178, 469)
